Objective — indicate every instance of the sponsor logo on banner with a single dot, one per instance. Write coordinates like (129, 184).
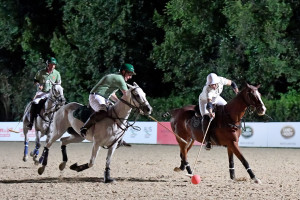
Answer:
(247, 132)
(287, 132)
(141, 133)
(146, 129)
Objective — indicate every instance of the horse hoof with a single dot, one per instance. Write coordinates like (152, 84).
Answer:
(177, 169)
(62, 166)
(36, 163)
(41, 170)
(34, 158)
(25, 158)
(256, 180)
(108, 180)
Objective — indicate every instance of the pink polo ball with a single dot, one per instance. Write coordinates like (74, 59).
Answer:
(196, 179)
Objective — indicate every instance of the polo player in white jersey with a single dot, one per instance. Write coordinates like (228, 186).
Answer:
(210, 96)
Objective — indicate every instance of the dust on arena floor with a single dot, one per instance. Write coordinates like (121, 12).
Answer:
(146, 172)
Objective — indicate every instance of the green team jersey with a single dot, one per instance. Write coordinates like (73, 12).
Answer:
(109, 84)
(43, 77)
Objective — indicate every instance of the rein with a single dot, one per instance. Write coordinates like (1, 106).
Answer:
(136, 113)
(57, 102)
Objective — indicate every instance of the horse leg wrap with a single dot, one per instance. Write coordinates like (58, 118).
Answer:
(79, 168)
(82, 167)
(64, 153)
(251, 174)
(36, 150)
(26, 148)
(188, 169)
(246, 165)
(107, 178)
(232, 174)
(182, 165)
(231, 168)
(44, 158)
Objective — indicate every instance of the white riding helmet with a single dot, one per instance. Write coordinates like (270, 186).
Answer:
(212, 78)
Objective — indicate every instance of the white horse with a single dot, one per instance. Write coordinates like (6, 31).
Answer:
(106, 133)
(42, 123)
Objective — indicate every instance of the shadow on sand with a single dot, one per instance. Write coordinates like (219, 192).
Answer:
(77, 180)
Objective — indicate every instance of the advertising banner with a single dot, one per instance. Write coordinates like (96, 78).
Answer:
(284, 134)
(145, 134)
(254, 135)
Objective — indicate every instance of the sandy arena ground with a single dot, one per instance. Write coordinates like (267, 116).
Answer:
(146, 172)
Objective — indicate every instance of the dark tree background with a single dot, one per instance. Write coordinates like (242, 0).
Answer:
(172, 44)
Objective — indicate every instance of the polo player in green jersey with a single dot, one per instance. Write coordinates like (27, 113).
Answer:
(103, 92)
(43, 79)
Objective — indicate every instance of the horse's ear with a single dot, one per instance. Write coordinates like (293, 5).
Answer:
(248, 85)
(135, 84)
(52, 83)
(59, 83)
(129, 86)
(258, 86)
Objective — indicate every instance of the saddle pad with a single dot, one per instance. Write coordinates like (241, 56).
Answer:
(83, 113)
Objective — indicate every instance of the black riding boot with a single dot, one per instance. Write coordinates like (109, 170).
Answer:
(33, 115)
(95, 117)
(205, 122)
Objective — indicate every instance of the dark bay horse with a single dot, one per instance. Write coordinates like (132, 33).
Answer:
(225, 129)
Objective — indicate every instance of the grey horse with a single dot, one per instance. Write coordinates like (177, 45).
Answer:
(42, 123)
(106, 133)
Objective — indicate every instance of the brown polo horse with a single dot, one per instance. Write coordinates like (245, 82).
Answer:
(225, 128)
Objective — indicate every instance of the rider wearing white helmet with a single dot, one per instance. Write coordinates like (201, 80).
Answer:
(210, 96)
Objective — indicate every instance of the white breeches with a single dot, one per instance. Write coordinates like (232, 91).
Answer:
(203, 102)
(98, 102)
(39, 96)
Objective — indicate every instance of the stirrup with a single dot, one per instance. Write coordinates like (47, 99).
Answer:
(83, 131)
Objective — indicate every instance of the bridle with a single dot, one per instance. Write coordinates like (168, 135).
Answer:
(132, 104)
(136, 113)
(57, 102)
(252, 103)
(251, 100)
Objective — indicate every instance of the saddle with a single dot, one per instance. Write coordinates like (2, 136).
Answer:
(83, 113)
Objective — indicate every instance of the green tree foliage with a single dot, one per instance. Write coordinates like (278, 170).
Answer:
(246, 41)
(259, 46)
(179, 41)
(192, 31)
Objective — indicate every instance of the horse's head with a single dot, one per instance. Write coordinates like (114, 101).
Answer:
(253, 98)
(138, 99)
(56, 98)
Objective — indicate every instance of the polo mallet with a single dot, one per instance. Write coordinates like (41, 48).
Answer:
(190, 175)
(14, 130)
(167, 129)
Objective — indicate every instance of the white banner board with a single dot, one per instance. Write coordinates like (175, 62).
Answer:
(146, 133)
